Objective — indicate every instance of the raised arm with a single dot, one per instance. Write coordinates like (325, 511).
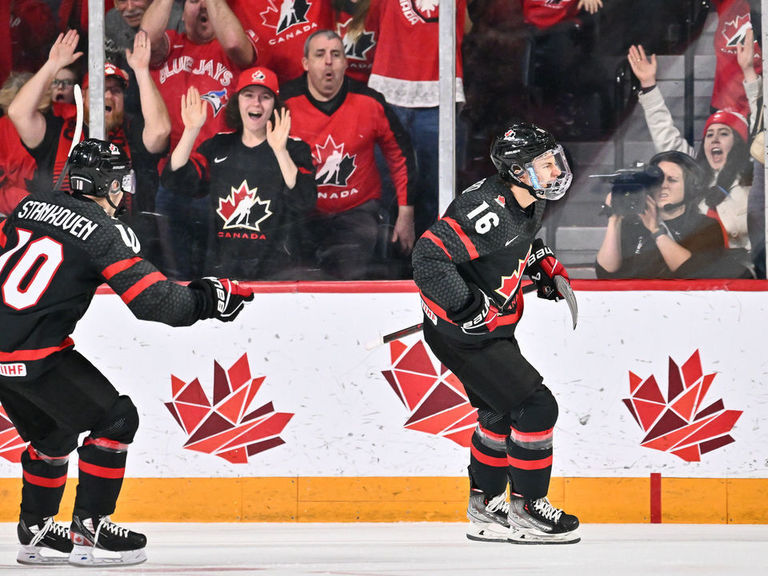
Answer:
(194, 111)
(154, 23)
(157, 121)
(277, 137)
(664, 133)
(230, 34)
(23, 110)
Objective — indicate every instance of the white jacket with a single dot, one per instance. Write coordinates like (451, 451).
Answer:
(733, 210)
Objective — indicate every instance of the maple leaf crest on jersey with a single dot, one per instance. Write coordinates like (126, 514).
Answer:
(427, 9)
(243, 209)
(734, 32)
(289, 13)
(333, 166)
(216, 98)
(355, 49)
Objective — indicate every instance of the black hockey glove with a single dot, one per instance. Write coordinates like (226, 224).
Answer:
(475, 318)
(542, 267)
(224, 298)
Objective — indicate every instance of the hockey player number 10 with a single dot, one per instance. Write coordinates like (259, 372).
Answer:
(486, 221)
(32, 274)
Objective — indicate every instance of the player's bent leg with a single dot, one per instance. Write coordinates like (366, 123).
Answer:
(41, 539)
(532, 519)
(97, 540)
(488, 504)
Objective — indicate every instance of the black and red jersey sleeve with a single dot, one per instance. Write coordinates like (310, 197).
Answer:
(144, 289)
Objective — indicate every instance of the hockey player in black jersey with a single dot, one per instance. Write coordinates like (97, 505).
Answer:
(469, 267)
(55, 250)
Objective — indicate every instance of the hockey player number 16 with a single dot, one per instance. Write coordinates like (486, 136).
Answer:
(486, 221)
(41, 260)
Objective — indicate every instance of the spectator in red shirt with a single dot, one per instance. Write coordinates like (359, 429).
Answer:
(279, 29)
(16, 164)
(342, 120)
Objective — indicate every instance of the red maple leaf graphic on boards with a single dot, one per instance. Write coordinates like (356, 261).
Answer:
(677, 423)
(11, 444)
(222, 427)
(435, 398)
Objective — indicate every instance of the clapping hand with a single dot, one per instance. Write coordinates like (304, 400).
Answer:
(277, 131)
(194, 110)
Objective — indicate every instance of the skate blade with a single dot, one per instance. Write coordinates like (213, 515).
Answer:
(35, 555)
(90, 556)
(528, 537)
(487, 532)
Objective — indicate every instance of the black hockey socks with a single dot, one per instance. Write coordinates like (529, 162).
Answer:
(43, 481)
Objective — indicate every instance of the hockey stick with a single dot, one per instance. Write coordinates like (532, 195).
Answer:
(75, 137)
(403, 332)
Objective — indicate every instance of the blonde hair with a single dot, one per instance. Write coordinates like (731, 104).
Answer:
(11, 87)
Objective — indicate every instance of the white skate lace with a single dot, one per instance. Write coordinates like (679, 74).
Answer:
(498, 503)
(50, 526)
(110, 527)
(543, 507)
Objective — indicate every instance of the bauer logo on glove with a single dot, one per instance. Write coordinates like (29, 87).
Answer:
(542, 267)
(225, 298)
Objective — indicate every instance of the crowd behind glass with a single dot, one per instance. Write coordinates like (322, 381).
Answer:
(297, 140)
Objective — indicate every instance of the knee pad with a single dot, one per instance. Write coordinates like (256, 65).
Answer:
(493, 421)
(537, 413)
(119, 424)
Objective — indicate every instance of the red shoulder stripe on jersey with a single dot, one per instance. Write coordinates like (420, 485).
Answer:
(429, 236)
(27, 355)
(118, 267)
(3, 239)
(463, 237)
(304, 170)
(142, 285)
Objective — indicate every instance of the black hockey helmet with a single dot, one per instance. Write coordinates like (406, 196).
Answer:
(95, 166)
(514, 152)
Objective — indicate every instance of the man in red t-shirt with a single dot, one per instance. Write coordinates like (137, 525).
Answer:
(208, 55)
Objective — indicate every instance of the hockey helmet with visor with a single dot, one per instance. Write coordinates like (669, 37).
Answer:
(523, 150)
(99, 168)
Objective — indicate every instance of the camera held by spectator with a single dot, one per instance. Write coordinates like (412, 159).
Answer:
(630, 187)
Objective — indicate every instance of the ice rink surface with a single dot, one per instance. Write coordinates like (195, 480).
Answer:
(439, 549)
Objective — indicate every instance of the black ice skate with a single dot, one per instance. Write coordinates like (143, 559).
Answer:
(43, 543)
(487, 516)
(538, 522)
(98, 541)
